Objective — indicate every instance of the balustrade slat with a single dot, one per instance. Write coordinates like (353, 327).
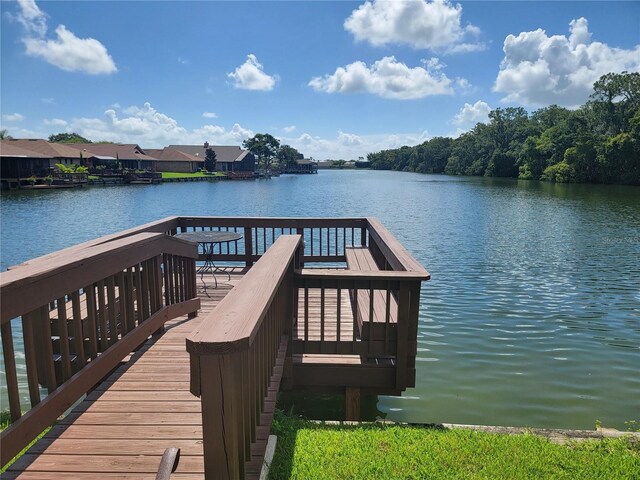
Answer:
(139, 295)
(112, 312)
(246, 404)
(146, 289)
(10, 371)
(124, 299)
(155, 284)
(63, 334)
(164, 281)
(102, 316)
(355, 314)
(45, 348)
(321, 314)
(28, 321)
(175, 278)
(255, 399)
(387, 319)
(78, 333)
(338, 313)
(131, 298)
(371, 324)
(236, 368)
(306, 313)
(92, 326)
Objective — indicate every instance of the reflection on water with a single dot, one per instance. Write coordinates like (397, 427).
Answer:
(532, 316)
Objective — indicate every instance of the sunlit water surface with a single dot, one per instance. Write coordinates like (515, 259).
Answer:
(532, 316)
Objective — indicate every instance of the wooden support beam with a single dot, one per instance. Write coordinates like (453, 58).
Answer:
(352, 404)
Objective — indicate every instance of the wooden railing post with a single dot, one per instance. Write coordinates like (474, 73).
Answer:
(236, 360)
(220, 432)
(403, 335)
(248, 246)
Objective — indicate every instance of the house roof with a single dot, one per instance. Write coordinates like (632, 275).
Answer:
(171, 154)
(121, 151)
(10, 149)
(42, 147)
(306, 161)
(223, 153)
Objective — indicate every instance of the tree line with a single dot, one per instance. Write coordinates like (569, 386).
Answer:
(596, 143)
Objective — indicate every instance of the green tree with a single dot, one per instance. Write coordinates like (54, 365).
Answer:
(615, 98)
(509, 128)
(4, 134)
(68, 138)
(265, 147)
(210, 160)
(287, 156)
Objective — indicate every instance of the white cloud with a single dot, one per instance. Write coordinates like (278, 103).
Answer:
(348, 139)
(66, 51)
(289, 129)
(150, 128)
(183, 61)
(13, 117)
(251, 76)
(24, 132)
(470, 114)
(421, 24)
(49, 100)
(539, 70)
(209, 115)
(349, 146)
(55, 122)
(386, 78)
(32, 18)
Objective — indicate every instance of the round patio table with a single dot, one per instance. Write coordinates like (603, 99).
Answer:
(209, 239)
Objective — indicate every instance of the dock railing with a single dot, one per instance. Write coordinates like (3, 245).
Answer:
(237, 359)
(83, 310)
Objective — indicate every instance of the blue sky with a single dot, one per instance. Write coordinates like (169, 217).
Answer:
(333, 79)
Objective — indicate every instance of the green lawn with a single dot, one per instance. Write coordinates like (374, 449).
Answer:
(307, 450)
(189, 175)
(5, 421)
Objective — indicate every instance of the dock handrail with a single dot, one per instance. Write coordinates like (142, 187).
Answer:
(82, 312)
(234, 353)
(164, 225)
(390, 251)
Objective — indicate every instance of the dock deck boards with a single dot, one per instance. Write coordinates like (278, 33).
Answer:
(121, 429)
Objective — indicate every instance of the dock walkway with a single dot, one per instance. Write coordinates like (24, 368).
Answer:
(121, 429)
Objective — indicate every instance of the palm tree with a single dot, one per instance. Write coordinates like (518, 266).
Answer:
(4, 134)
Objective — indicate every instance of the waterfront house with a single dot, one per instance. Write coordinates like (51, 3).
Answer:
(228, 158)
(130, 155)
(24, 158)
(172, 160)
(325, 164)
(304, 165)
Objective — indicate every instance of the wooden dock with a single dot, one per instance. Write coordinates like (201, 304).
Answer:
(124, 325)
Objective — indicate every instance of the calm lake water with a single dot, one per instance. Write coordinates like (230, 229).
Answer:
(532, 316)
